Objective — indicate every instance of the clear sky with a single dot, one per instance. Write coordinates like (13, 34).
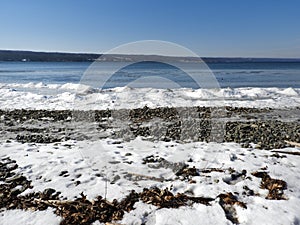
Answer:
(247, 28)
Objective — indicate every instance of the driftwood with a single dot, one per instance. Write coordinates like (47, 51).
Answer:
(285, 152)
(293, 143)
(209, 170)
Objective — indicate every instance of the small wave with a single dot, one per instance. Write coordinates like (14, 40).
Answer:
(40, 85)
(256, 71)
(17, 71)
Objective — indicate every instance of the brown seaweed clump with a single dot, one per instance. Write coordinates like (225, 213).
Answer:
(227, 202)
(163, 198)
(275, 186)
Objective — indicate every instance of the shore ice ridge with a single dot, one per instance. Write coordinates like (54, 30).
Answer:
(78, 96)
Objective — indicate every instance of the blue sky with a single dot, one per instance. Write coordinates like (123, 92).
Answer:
(253, 28)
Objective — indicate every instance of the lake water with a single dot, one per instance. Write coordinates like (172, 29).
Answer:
(234, 75)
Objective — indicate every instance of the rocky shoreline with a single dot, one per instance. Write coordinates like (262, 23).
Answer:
(267, 128)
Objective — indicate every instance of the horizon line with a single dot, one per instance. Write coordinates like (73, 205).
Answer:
(95, 53)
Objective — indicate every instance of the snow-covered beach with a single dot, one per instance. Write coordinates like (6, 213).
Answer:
(246, 182)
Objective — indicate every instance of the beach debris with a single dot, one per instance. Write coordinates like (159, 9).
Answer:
(292, 143)
(163, 198)
(81, 210)
(285, 152)
(274, 186)
(209, 170)
(85, 211)
(228, 201)
(187, 172)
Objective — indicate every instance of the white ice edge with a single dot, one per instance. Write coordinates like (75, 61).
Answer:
(77, 96)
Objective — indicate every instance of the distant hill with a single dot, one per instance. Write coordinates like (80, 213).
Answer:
(11, 55)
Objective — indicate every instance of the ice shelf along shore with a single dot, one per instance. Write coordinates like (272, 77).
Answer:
(76, 96)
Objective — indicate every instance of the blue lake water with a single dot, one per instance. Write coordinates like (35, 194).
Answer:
(282, 75)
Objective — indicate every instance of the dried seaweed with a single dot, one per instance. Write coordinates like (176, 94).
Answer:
(227, 202)
(275, 186)
(81, 210)
(163, 198)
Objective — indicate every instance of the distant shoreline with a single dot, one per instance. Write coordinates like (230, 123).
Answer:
(31, 56)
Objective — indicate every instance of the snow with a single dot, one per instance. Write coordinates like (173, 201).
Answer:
(206, 214)
(43, 163)
(78, 96)
(21, 217)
